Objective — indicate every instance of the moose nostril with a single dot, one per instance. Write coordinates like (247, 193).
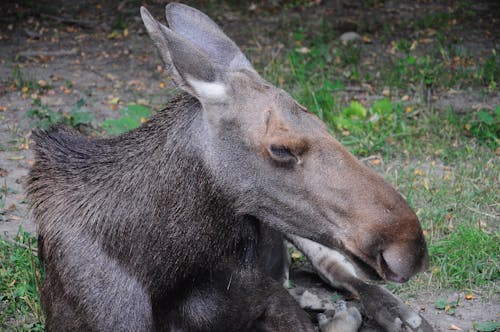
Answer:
(389, 273)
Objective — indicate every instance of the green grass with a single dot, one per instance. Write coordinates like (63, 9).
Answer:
(20, 278)
(468, 254)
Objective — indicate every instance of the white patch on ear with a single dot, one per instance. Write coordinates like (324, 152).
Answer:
(215, 91)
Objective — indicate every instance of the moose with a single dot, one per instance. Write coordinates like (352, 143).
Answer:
(179, 225)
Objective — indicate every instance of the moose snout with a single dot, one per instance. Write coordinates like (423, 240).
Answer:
(400, 261)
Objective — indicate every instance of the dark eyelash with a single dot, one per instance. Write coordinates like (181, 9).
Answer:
(281, 151)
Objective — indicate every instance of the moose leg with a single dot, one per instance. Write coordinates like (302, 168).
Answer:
(240, 300)
(281, 311)
(60, 314)
(85, 289)
(388, 310)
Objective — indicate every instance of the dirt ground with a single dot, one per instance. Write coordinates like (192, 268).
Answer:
(99, 51)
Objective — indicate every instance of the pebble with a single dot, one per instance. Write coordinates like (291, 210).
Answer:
(348, 37)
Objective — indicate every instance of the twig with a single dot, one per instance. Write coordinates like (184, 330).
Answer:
(27, 54)
(370, 158)
(32, 34)
(481, 212)
(67, 20)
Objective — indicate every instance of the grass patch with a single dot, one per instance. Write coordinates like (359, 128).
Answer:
(20, 279)
(468, 254)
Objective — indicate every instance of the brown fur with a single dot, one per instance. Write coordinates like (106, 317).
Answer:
(167, 227)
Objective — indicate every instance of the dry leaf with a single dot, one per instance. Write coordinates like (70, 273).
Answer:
(303, 50)
(15, 158)
(469, 296)
(453, 327)
(419, 172)
(114, 100)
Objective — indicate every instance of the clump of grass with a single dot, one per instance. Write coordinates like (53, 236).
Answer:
(468, 257)
(20, 278)
(44, 117)
(131, 117)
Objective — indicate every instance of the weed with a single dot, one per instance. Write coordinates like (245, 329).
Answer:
(44, 117)
(490, 71)
(130, 117)
(448, 306)
(26, 83)
(120, 23)
(485, 126)
(20, 280)
(488, 326)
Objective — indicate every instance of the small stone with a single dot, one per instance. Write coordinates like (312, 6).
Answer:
(311, 301)
(349, 37)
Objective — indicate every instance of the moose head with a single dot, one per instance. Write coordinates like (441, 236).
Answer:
(276, 161)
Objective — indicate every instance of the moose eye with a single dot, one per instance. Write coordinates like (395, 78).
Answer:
(282, 155)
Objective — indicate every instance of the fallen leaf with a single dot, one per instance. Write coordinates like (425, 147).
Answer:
(114, 100)
(426, 184)
(376, 162)
(15, 158)
(303, 50)
(110, 76)
(469, 296)
(419, 172)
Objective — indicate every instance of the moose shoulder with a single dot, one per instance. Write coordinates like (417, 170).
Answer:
(169, 227)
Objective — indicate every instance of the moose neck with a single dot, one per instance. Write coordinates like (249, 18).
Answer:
(166, 196)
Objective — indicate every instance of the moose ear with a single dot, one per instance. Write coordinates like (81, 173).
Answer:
(199, 29)
(189, 66)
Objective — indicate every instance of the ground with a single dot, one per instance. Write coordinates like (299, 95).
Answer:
(54, 55)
